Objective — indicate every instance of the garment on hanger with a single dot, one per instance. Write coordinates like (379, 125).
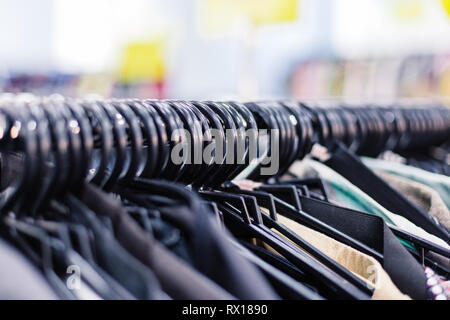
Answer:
(115, 258)
(366, 267)
(95, 184)
(404, 270)
(437, 182)
(427, 162)
(342, 160)
(358, 199)
(177, 279)
(422, 195)
(372, 231)
(284, 277)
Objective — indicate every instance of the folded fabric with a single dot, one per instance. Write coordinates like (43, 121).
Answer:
(437, 182)
(361, 201)
(362, 265)
(421, 195)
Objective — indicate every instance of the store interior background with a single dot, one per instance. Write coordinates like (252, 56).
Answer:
(351, 50)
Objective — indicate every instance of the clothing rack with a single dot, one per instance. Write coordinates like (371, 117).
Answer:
(117, 124)
(62, 158)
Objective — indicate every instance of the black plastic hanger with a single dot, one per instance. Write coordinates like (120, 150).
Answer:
(86, 136)
(194, 141)
(171, 122)
(103, 142)
(150, 139)
(18, 130)
(242, 148)
(206, 138)
(236, 208)
(120, 142)
(293, 212)
(298, 137)
(214, 123)
(76, 175)
(230, 145)
(28, 206)
(345, 163)
(83, 148)
(267, 200)
(134, 133)
(45, 175)
(163, 150)
(264, 120)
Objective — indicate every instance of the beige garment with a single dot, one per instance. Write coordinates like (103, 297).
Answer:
(424, 197)
(419, 194)
(364, 266)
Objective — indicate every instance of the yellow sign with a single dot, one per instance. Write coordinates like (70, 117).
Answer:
(408, 9)
(446, 4)
(219, 15)
(143, 61)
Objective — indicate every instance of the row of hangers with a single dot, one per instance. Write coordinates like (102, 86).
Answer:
(109, 127)
(120, 143)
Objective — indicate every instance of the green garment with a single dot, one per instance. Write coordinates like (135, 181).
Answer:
(348, 195)
(438, 182)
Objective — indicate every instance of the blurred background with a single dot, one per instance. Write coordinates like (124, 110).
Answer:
(227, 49)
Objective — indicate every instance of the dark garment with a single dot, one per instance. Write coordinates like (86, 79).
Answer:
(165, 233)
(78, 247)
(404, 270)
(177, 279)
(113, 258)
(214, 257)
(280, 263)
(426, 162)
(11, 164)
(286, 287)
(19, 279)
(208, 243)
(276, 260)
